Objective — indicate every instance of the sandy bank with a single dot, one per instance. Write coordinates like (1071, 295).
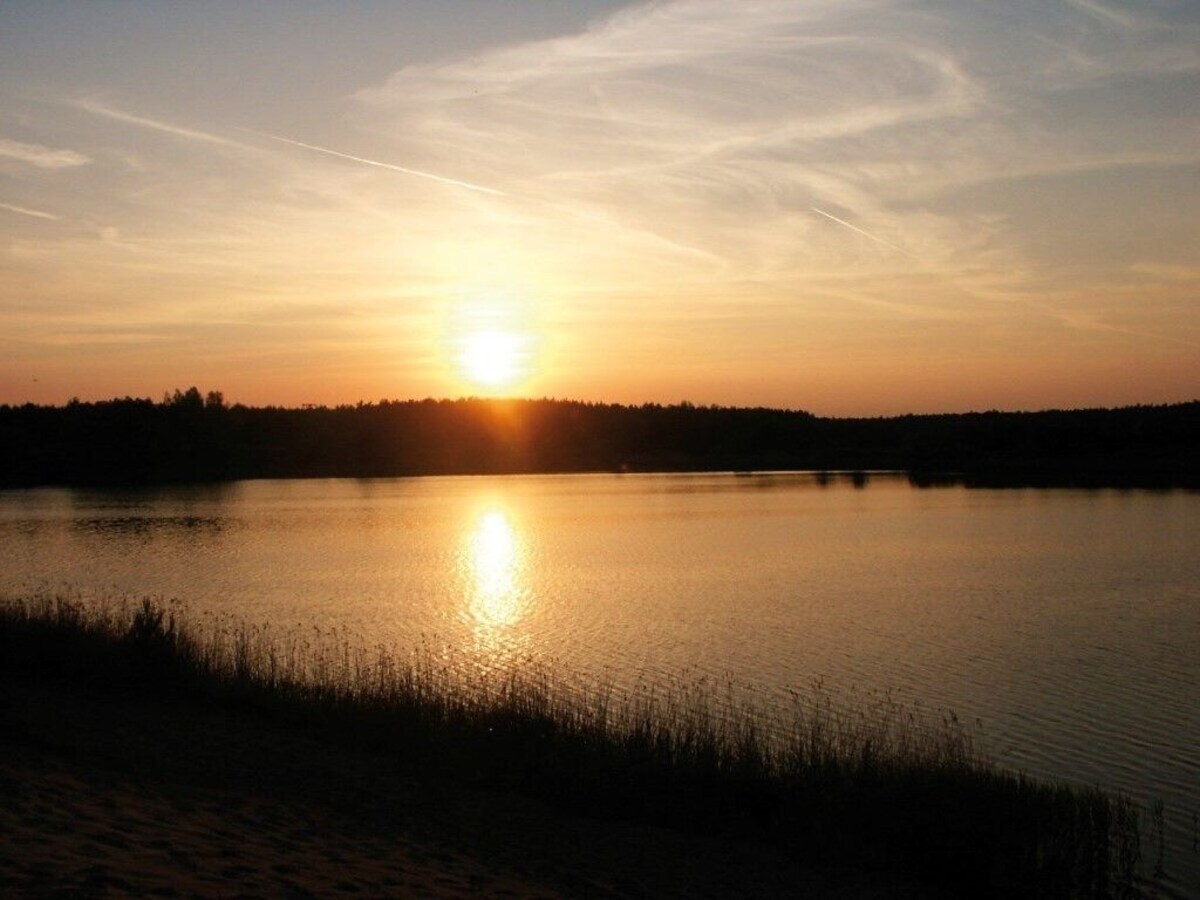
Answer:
(108, 796)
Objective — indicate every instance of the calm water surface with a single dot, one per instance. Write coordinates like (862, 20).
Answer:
(1066, 622)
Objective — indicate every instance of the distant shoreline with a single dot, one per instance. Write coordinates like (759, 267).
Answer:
(192, 438)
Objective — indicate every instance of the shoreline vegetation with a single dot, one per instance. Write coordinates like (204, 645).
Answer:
(195, 437)
(876, 791)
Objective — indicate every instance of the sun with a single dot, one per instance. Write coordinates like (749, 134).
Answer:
(493, 339)
(493, 359)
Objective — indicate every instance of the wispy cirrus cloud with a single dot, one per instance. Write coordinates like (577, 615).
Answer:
(41, 157)
(26, 211)
(441, 179)
(1108, 14)
(763, 107)
(723, 128)
(858, 230)
(192, 134)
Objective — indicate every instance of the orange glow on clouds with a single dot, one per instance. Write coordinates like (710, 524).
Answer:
(997, 212)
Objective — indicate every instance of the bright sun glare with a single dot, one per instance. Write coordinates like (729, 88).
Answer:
(496, 561)
(493, 359)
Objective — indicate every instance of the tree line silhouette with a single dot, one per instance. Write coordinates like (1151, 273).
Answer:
(189, 436)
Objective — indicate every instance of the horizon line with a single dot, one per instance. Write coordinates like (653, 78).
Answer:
(679, 404)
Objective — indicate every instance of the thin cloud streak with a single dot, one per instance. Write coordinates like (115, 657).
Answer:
(42, 157)
(25, 211)
(190, 134)
(855, 228)
(1107, 14)
(417, 173)
(1084, 321)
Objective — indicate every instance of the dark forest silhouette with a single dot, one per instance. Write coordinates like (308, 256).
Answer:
(189, 436)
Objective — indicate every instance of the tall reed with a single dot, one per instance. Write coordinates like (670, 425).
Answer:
(865, 782)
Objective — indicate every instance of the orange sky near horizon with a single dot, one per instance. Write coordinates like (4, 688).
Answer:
(854, 208)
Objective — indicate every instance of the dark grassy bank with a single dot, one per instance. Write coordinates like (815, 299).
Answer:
(188, 437)
(872, 788)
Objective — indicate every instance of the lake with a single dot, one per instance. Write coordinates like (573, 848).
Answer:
(1063, 624)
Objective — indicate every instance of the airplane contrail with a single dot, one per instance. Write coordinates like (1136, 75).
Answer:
(37, 214)
(382, 165)
(191, 134)
(855, 228)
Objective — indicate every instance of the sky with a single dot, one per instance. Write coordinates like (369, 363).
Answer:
(853, 207)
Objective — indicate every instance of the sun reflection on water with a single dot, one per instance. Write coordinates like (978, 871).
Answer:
(498, 597)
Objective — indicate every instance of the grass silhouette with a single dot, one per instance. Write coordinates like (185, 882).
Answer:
(868, 785)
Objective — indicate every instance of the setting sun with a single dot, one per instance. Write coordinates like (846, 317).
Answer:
(493, 359)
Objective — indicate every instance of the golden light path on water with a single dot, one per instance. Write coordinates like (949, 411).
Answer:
(494, 560)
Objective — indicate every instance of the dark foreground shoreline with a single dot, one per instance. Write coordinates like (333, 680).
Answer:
(143, 753)
(114, 796)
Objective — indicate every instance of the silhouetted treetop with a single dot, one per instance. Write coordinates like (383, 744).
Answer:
(192, 436)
